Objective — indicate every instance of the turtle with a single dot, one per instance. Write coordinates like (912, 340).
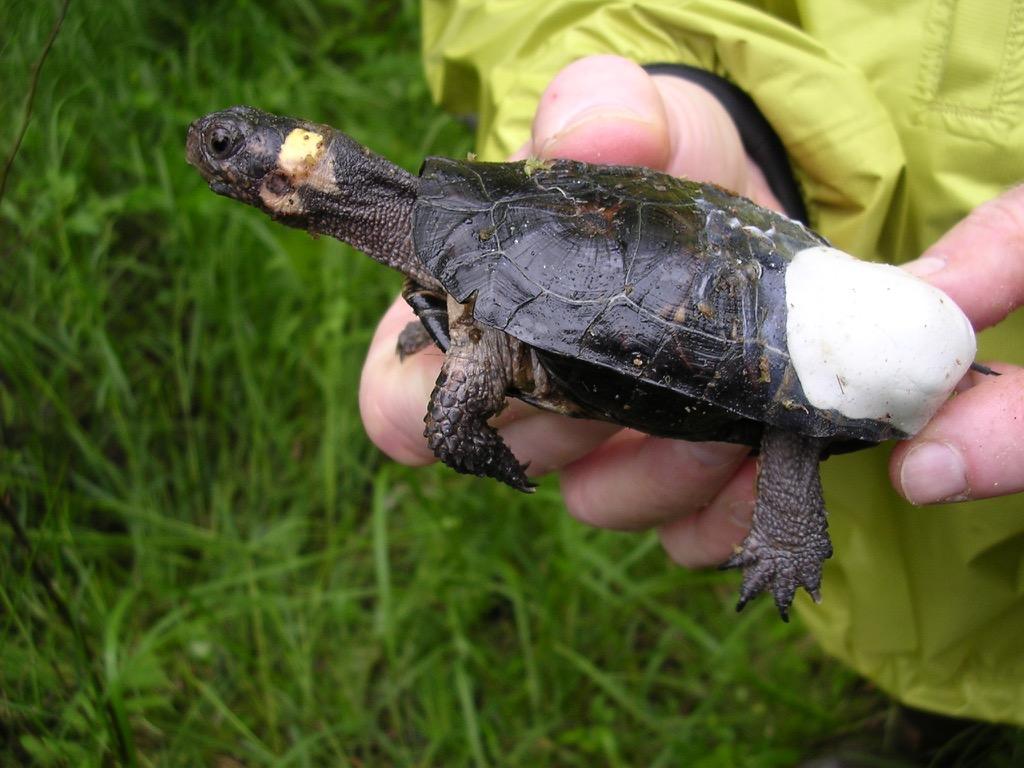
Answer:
(623, 294)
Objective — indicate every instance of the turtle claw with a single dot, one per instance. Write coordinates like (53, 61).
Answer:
(526, 486)
(757, 577)
(467, 444)
(771, 568)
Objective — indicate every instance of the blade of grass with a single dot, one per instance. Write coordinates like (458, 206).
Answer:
(464, 689)
(37, 69)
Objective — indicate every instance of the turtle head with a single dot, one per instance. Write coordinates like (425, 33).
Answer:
(234, 149)
(311, 177)
(254, 156)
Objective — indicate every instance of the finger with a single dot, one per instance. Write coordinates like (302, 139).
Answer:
(972, 449)
(705, 143)
(602, 109)
(636, 481)
(548, 441)
(710, 535)
(393, 393)
(606, 109)
(980, 261)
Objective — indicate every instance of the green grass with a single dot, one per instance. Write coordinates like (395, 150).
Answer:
(218, 569)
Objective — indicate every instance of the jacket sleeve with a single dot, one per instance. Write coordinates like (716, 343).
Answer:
(493, 60)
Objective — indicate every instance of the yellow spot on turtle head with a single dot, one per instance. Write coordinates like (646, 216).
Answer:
(300, 150)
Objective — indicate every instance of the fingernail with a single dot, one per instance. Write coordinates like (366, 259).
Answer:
(603, 113)
(599, 112)
(713, 454)
(933, 472)
(926, 265)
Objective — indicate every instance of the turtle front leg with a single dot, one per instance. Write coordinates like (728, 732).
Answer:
(470, 389)
(788, 541)
(431, 307)
(413, 338)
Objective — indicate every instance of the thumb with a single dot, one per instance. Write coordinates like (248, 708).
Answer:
(601, 109)
(607, 109)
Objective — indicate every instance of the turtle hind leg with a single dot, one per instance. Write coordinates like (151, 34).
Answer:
(788, 541)
(470, 389)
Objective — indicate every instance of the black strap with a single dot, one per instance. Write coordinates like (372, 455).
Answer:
(760, 140)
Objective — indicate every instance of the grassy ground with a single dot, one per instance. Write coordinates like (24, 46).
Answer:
(203, 560)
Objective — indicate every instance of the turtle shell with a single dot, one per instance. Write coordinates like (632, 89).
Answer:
(644, 294)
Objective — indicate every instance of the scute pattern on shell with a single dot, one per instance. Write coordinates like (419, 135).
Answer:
(668, 285)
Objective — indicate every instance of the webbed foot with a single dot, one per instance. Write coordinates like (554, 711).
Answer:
(768, 567)
(788, 541)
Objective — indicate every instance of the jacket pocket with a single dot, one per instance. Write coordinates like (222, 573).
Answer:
(971, 78)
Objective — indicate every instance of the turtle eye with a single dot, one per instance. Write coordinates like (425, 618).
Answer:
(222, 142)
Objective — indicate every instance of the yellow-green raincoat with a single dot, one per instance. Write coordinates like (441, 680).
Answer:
(898, 118)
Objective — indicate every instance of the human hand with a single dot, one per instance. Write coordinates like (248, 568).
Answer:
(608, 110)
(973, 448)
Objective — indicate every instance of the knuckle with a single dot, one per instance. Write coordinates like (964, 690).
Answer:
(1004, 217)
(579, 501)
